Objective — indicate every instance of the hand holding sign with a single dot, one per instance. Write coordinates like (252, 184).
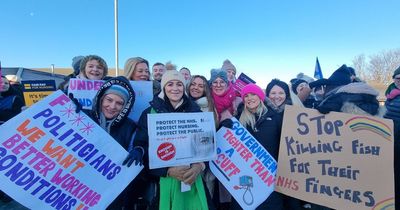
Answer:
(178, 172)
(191, 174)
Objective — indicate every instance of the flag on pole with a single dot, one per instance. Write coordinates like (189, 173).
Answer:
(318, 71)
(1, 73)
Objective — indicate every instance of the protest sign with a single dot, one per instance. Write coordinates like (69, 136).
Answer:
(36, 90)
(143, 95)
(52, 157)
(243, 166)
(242, 81)
(177, 139)
(338, 160)
(85, 91)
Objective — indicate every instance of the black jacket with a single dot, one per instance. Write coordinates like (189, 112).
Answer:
(355, 98)
(12, 107)
(267, 130)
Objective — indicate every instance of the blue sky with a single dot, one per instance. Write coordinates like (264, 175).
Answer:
(264, 39)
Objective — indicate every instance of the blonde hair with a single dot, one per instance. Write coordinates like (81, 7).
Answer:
(248, 119)
(130, 66)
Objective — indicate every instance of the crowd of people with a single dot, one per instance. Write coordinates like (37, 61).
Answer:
(176, 91)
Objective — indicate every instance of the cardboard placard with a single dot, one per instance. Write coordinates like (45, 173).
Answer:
(338, 160)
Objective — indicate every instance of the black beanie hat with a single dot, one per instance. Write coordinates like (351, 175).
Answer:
(338, 78)
(279, 83)
(396, 72)
(295, 83)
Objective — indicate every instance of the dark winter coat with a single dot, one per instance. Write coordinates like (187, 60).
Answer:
(267, 130)
(159, 105)
(354, 98)
(10, 104)
(393, 112)
(393, 108)
(121, 129)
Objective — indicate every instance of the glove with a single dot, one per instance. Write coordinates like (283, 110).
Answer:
(136, 155)
(323, 110)
(227, 123)
(78, 106)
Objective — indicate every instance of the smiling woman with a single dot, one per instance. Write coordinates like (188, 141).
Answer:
(111, 107)
(264, 125)
(93, 67)
(172, 99)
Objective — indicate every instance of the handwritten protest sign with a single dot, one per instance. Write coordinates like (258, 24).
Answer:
(180, 138)
(338, 160)
(242, 81)
(85, 91)
(52, 157)
(36, 90)
(243, 166)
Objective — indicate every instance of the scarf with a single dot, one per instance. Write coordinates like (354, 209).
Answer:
(225, 101)
(171, 196)
(392, 92)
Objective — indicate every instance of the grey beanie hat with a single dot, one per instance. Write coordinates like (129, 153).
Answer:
(227, 65)
(76, 63)
(215, 73)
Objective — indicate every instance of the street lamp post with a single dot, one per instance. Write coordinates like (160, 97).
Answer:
(116, 35)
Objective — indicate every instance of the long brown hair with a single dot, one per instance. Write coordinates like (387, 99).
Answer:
(207, 94)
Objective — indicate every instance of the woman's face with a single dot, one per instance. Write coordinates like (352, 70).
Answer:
(186, 74)
(219, 86)
(196, 88)
(93, 70)
(277, 95)
(174, 91)
(251, 101)
(5, 85)
(231, 74)
(111, 105)
(141, 72)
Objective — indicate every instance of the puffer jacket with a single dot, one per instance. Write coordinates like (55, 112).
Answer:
(267, 130)
(354, 98)
(392, 103)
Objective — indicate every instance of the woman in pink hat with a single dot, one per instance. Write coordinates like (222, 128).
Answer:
(264, 125)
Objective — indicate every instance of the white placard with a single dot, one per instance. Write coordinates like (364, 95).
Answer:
(52, 157)
(243, 166)
(177, 139)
